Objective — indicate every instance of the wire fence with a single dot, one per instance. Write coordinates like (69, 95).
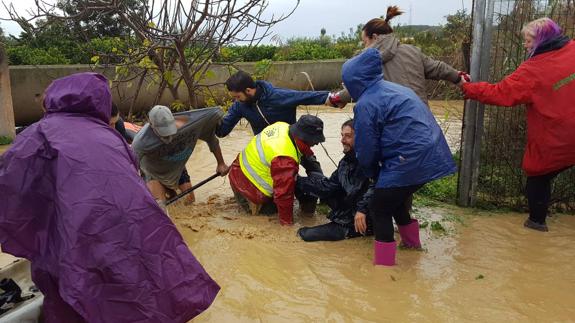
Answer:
(501, 182)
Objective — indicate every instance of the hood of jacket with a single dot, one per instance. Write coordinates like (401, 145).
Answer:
(84, 93)
(387, 46)
(362, 71)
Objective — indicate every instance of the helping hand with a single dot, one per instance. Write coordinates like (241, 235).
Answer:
(463, 78)
(360, 222)
(334, 100)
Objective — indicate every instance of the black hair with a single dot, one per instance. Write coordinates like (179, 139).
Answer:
(115, 110)
(348, 123)
(240, 81)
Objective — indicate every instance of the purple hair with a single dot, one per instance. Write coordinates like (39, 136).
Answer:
(542, 30)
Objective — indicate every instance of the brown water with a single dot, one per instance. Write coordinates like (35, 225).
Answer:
(268, 275)
(484, 268)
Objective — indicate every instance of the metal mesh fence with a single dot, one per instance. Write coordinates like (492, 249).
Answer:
(501, 181)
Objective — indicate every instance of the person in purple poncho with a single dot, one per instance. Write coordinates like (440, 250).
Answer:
(101, 249)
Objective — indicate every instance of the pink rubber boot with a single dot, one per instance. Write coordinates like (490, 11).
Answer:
(410, 235)
(384, 253)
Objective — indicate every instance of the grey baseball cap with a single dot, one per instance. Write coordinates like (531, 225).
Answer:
(162, 120)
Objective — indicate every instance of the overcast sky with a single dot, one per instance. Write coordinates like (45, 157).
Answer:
(336, 16)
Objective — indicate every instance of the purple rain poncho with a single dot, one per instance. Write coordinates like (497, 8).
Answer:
(71, 202)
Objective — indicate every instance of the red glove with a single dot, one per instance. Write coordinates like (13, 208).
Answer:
(334, 99)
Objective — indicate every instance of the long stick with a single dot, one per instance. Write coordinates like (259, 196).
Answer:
(179, 196)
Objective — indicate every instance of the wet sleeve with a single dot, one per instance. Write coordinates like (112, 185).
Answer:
(288, 97)
(513, 90)
(311, 165)
(438, 70)
(319, 185)
(363, 203)
(229, 121)
(284, 170)
(366, 141)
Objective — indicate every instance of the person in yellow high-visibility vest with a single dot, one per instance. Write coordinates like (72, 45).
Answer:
(266, 169)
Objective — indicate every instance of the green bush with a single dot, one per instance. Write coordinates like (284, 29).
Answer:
(306, 49)
(443, 189)
(25, 55)
(5, 140)
(246, 53)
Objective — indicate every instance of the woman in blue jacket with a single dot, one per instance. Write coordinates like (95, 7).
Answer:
(398, 144)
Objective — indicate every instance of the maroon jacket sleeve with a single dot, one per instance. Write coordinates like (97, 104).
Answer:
(284, 170)
(513, 90)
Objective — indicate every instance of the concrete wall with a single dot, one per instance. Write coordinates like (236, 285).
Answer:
(29, 82)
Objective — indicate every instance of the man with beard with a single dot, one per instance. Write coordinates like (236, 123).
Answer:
(346, 192)
(262, 105)
(165, 144)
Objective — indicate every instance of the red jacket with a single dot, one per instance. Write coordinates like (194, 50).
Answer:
(284, 171)
(546, 84)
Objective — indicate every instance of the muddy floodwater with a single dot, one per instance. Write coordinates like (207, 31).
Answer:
(476, 266)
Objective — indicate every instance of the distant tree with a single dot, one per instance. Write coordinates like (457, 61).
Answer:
(89, 24)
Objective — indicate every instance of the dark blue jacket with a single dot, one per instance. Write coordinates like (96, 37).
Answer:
(275, 103)
(346, 191)
(397, 139)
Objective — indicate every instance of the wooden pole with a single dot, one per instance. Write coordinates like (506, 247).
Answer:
(7, 127)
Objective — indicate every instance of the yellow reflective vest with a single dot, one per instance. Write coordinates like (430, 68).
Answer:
(256, 158)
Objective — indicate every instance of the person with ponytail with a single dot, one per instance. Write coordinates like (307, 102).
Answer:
(402, 64)
(545, 83)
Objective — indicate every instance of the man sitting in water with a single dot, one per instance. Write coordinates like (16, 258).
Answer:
(165, 144)
(346, 192)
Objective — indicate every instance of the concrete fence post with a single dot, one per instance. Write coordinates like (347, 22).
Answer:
(472, 129)
(7, 127)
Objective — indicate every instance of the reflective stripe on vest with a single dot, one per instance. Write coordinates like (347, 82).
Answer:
(255, 159)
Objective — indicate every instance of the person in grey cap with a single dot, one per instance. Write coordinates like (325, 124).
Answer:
(165, 144)
(265, 171)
